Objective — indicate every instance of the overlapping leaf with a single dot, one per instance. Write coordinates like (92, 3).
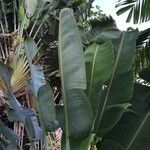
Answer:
(120, 86)
(100, 30)
(132, 131)
(99, 61)
(46, 108)
(73, 78)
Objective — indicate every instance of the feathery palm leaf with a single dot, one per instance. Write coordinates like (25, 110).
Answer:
(138, 10)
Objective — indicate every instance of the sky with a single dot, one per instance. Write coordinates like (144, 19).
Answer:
(108, 7)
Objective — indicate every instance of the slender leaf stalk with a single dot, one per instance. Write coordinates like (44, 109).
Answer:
(38, 15)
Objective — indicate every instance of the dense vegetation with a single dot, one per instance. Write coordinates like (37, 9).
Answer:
(69, 79)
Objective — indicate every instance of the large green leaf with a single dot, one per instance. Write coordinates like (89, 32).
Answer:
(99, 61)
(3, 143)
(79, 114)
(133, 130)
(121, 89)
(112, 115)
(73, 78)
(120, 86)
(11, 147)
(78, 125)
(70, 52)
(46, 108)
(124, 49)
(42, 92)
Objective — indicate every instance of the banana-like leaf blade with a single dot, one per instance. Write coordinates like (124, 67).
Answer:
(71, 60)
(121, 89)
(73, 78)
(112, 115)
(99, 61)
(133, 130)
(16, 112)
(5, 145)
(122, 75)
(79, 114)
(46, 108)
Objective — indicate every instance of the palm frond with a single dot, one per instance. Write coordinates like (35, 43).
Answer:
(138, 10)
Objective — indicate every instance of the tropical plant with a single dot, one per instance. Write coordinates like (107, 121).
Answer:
(103, 106)
(138, 10)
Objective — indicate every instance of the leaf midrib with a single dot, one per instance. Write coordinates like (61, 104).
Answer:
(111, 80)
(92, 74)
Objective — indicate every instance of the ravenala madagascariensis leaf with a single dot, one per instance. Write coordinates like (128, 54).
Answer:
(73, 78)
(112, 115)
(122, 82)
(122, 75)
(99, 61)
(133, 130)
(46, 108)
(75, 109)
(70, 51)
